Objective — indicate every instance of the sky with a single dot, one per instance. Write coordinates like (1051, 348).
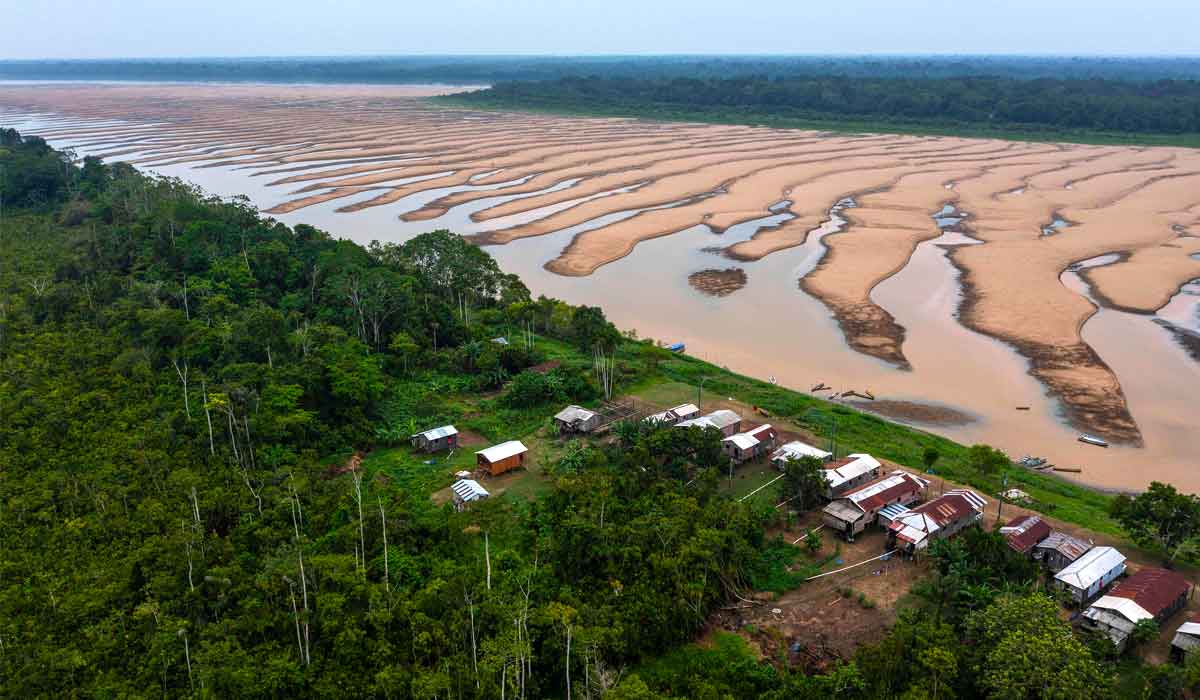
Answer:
(190, 28)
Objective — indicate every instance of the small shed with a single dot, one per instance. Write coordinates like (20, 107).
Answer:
(436, 439)
(575, 419)
(797, 450)
(853, 512)
(465, 491)
(1090, 574)
(1059, 550)
(848, 473)
(943, 517)
(501, 458)
(750, 444)
(1024, 532)
(1150, 594)
(1187, 638)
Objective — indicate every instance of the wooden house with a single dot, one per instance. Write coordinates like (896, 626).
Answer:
(502, 458)
(574, 419)
(797, 450)
(750, 444)
(436, 439)
(1150, 594)
(855, 510)
(1088, 576)
(724, 421)
(1186, 639)
(1058, 550)
(671, 416)
(943, 517)
(1024, 532)
(849, 473)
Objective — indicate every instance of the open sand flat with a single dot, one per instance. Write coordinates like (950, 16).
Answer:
(849, 211)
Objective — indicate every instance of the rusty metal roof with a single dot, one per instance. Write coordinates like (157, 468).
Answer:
(1025, 531)
(1153, 589)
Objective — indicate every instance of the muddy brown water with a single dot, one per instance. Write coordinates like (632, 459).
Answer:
(771, 328)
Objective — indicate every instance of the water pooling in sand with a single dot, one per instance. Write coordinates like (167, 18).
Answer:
(772, 328)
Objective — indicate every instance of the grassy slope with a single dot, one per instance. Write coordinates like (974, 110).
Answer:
(674, 380)
(672, 113)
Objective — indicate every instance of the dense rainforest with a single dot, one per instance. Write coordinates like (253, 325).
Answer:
(492, 69)
(201, 493)
(1091, 109)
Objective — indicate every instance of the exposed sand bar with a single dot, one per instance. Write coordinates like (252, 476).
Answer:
(590, 194)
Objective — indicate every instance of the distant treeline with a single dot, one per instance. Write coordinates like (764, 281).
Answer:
(491, 69)
(980, 104)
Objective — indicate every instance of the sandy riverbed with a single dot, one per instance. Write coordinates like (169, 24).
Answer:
(581, 197)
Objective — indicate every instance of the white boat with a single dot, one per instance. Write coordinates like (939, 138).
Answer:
(1092, 440)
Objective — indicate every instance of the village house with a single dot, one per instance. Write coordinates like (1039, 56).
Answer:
(797, 450)
(465, 491)
(857, 509)
(1187, 638)
(1058, 550)
(501, 458)
(849, 472)
(1086, 577)
(750, 444)
(671, 416)
(943, 517)
(575, 419)
(1024, 532)
(1150, 594)
(723, 420)
(436, 439)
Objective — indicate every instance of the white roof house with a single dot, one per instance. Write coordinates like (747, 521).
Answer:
(1187, 637)
(504, 450)
(573, 413)
(468, 490)
(723, 418)
(437, 433)
(797, 450)
(744, 441)
(858, 465)
(1093, 566)
(683, 411)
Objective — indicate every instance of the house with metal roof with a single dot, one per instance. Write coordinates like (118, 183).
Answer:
(576, 419)
(943, 517)
(723, 420)
(797, 450)
(501, 458)
(857, 509)
(1187, 638)
(466, 491)
(848, 473)
(1024, 532)
(1058, 550)
(1150, 594)
(750, 444)
(1086, 577)
(436, 439)
(671, 416)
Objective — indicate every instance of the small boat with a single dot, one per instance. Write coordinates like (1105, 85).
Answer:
(676, 347)
(1022, 408)
(1092, 440)
(1031, 462)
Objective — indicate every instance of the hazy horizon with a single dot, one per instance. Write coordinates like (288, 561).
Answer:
(143, 29)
